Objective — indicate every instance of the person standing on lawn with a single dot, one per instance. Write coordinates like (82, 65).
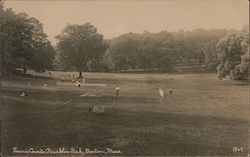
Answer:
(117, 90)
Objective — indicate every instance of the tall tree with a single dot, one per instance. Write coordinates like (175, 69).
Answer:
(80, 46)
(241, 71)
(232, 53)
(23, 42)
(147, 51)
(123, 52)
(209, 48)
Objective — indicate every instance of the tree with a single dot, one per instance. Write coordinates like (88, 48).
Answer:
(241, 71)
(147, 51)
(143, 51)
(233, 54)
(25, 45)
(80, 46)
(123, 52)
(167, 51)
(209, 48)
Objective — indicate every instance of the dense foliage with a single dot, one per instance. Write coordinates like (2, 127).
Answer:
(23, 43)
(82, 47)
(233, 54)
(221, 49)
(164, 50)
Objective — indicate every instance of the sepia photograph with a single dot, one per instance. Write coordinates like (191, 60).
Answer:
(124, 78)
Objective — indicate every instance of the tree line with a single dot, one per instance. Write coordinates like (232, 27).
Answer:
(82, 48)
(163, 50)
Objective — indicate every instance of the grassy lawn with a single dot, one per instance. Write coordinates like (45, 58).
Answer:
(204, 116)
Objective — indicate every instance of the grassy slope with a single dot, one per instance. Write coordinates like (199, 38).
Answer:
(203, 117)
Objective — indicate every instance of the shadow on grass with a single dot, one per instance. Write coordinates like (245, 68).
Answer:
(134, 133)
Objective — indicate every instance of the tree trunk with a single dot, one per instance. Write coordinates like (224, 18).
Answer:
(24, 70)
(200, 59)
(144, 64)
(80, 74)
(201, 55)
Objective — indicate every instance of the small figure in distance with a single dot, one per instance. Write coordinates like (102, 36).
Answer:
(161, 93)
(23, 94)
(79, 84)
(170, 91)
(117, 90)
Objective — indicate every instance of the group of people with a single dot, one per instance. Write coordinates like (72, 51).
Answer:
(23, 94)
(76, 83)
(163, 94)
(74, 80)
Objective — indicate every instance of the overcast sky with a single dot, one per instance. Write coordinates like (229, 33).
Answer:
(112, 17)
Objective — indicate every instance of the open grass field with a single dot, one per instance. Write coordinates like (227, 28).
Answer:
(204, 116)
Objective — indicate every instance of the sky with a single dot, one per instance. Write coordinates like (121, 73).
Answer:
(115, 17)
